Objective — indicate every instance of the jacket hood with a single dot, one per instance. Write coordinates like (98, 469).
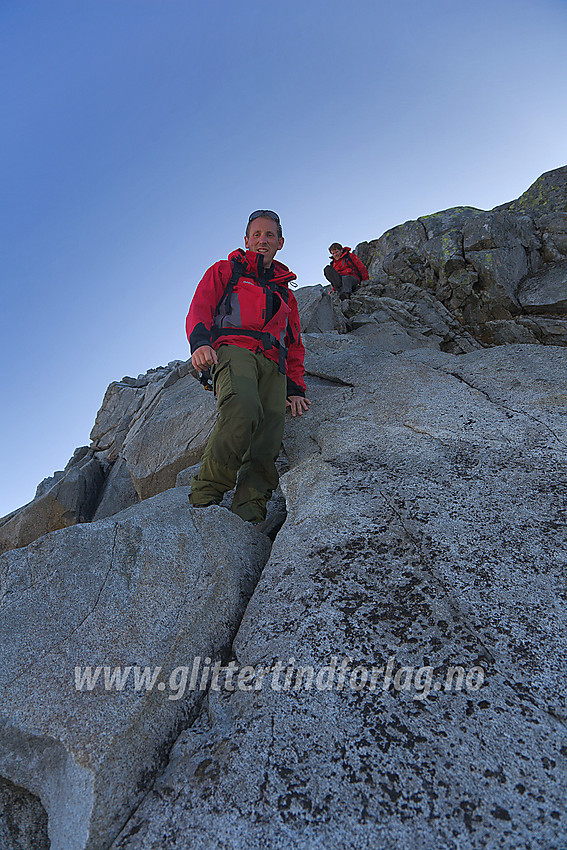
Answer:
(254, 261)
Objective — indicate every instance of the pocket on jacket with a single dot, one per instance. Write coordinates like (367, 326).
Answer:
(251, 309)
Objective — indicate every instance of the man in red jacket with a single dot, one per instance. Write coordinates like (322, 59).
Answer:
(243, 324)
(345, 271)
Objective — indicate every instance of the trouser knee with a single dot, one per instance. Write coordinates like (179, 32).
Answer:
(333, 277)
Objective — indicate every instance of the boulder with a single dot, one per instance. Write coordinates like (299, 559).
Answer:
(554, 236)
(545, 292)
(155, 586)
(510, 332)
(122, 401)
(548, 328)
(452, 220)
(423, 554)
(185, 477)
(47, 483)
(398, 254)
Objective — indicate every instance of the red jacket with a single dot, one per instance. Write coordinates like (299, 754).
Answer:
(260, 301)
(349, 263)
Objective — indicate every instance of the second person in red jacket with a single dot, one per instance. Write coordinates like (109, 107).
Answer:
(345, 271)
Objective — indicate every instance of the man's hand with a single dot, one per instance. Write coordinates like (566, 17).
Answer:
(204, 358)
(297, 404)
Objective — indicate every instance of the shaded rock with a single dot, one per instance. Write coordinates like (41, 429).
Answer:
(153, 587)
(425, 530)
(499, 229)
(499, 273)
(185, 477)
(407, 317)
(510, 332)
(554, 236)
(445, 254)
(502, 248)
(387, 335)
(77, 457)
(119, 492)
(72, 498)
(48, 483)
(448, 221)
(120, 403)
(546, 291)
(315, 309)
(23, 821)
(399, 254)
(548, 328)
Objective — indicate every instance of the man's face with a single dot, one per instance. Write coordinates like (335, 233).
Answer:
(336, 253)
(263, 238)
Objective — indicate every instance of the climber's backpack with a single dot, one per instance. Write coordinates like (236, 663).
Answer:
(351, 263)
(224, 309)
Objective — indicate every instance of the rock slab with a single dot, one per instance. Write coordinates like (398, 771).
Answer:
(426, 529)
(152, 587)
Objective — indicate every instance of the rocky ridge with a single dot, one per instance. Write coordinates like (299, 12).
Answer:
(425, 533)
(501, 273)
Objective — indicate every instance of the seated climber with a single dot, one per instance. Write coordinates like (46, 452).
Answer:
(243, 325)
(345, 271)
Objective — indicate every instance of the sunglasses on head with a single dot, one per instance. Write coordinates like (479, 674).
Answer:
(262, 213)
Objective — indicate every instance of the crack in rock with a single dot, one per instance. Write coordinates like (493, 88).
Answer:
(501, 406)
(331, 379)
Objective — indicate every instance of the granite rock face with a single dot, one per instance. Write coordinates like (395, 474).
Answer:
(119, 491)
(425, 531)
(547, 196)
(155, 586)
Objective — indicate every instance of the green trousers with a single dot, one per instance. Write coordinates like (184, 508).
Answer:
(247, 435)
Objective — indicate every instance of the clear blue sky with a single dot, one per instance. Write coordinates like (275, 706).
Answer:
(137, 135)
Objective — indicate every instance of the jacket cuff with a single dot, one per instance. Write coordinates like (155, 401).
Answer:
(294, 389)
(199, 336)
